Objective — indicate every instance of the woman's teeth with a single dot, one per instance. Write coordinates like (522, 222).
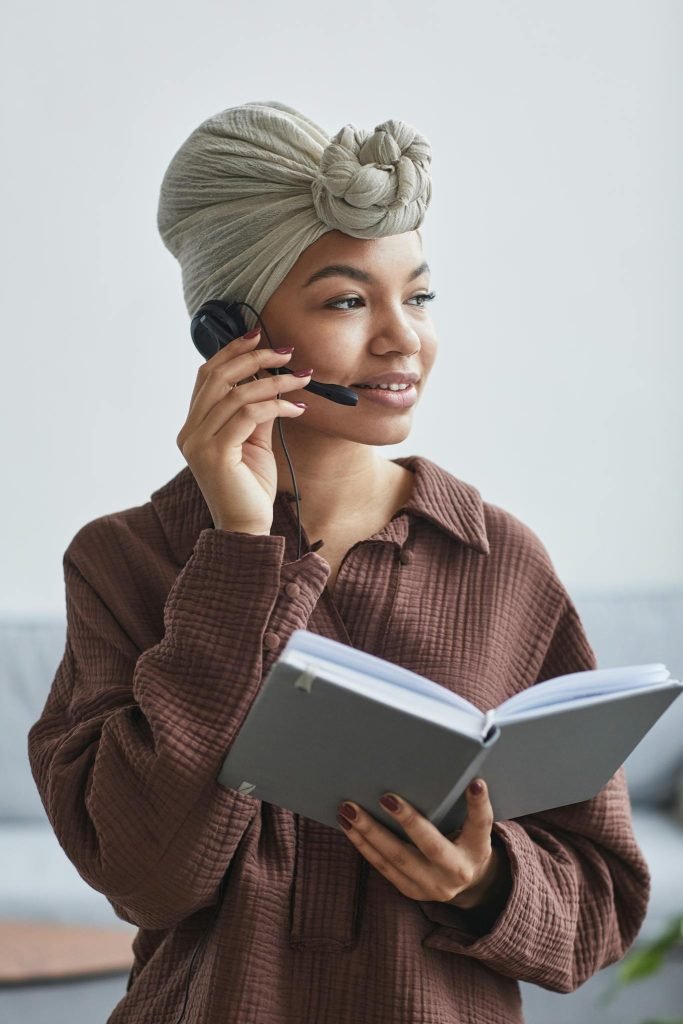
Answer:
(385, 387)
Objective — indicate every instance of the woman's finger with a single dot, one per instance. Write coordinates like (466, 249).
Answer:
(478, 825)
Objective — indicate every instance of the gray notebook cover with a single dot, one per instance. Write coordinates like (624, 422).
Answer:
(308, 743)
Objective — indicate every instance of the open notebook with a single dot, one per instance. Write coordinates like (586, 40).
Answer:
(333, 723)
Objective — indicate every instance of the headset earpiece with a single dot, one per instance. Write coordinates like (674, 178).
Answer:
(215, 324)
(219, 321)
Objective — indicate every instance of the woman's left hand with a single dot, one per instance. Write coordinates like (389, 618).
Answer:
(461, 871)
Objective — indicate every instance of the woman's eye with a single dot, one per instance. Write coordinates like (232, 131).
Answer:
(425, 296)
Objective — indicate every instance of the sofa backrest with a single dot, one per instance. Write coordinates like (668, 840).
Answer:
(30, 651)
(624, 629)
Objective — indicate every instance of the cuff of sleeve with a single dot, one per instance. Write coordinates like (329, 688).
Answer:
(229, 613)
(489, 932)
(243, 568)
(246, 573)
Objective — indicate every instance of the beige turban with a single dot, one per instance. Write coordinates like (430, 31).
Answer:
(255, 185)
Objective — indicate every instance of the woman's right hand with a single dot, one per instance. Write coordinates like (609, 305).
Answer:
(227, 437)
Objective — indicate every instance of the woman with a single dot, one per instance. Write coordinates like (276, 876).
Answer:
(177, 609)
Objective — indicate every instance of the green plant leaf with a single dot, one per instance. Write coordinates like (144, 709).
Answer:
(642, 963)
(660, 1020)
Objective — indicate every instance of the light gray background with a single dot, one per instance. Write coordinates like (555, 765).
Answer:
(554, 237)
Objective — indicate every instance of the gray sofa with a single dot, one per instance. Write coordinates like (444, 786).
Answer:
(38, 882)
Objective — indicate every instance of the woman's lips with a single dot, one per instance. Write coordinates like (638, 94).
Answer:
(392, 399)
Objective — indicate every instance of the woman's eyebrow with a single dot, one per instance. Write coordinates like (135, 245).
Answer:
(345, 270)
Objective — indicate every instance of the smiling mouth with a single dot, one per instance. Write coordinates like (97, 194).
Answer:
(394, 391)
(397, 400)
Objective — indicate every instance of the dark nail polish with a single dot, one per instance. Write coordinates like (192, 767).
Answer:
(303, 373)
(389, 803)
(343, 822)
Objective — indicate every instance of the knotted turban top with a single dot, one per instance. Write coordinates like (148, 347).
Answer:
(256, 184)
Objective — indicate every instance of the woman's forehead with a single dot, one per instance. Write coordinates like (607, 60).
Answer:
(377, 256)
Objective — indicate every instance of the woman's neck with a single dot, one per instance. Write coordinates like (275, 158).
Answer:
(340, 494)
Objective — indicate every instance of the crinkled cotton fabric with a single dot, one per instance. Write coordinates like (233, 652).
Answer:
(253, 186)
(173, 627)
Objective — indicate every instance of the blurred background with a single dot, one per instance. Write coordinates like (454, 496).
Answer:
(556, 246)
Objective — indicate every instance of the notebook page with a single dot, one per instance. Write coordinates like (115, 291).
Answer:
(331, 652)
(578, 685)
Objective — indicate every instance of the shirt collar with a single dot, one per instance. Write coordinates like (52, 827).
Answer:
(451, 504)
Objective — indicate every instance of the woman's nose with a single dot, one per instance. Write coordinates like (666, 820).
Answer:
(395, 326)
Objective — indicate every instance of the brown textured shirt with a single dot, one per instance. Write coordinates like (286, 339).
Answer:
(172, 626)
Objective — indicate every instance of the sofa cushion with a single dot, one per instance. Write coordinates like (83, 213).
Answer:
(678, 803)
(660, 837)
(38, 882)
(653, 768)
(637, 629)
(30, 653)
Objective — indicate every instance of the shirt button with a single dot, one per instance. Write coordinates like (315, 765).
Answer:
(271, 641)
(405, 556)
(292, 589)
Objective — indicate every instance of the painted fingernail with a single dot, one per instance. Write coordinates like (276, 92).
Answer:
(252, 334)
(476, 787)
(389, 802)
(343, 822)
(302, 373)
(283, 351)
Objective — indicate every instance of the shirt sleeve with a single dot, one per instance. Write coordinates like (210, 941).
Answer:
(128, 747)
(580, 885)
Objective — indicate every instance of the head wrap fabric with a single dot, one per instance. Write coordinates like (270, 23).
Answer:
(256, 184)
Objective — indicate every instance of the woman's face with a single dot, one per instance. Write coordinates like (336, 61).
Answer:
(349, 330)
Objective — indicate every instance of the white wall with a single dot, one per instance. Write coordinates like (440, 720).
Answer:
(554, 235)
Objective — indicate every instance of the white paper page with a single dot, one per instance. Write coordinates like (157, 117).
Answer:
(577, 685)
(331, 652)
(520, 715)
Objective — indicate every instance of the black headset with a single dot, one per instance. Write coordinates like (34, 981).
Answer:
(216, 323)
